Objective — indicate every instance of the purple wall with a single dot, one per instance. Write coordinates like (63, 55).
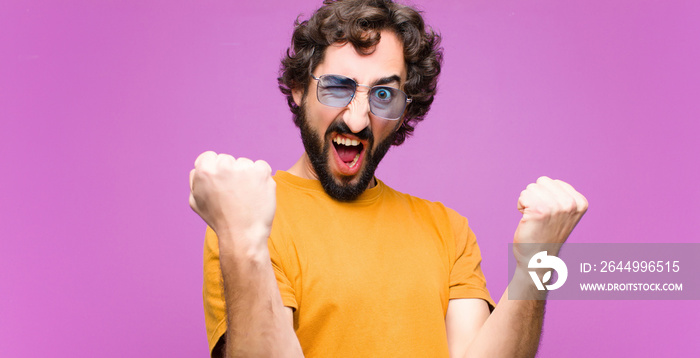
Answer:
(105, 105)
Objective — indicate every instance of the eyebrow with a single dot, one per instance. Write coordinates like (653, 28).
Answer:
(386, 80)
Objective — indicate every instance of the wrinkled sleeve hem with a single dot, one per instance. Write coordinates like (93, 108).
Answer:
(472, 292)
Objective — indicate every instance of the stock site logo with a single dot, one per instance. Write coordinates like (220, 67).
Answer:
(541, 260)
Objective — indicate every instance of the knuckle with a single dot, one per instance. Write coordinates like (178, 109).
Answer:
(242, 164)
(263, 165)
(206, 155)
(584, 203)
(244, 161)
(571, 205)
(224, 159)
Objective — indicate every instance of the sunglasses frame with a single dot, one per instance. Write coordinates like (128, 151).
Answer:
(371, 106)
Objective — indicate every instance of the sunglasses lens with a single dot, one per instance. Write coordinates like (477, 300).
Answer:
(387, 102)
(335, 91)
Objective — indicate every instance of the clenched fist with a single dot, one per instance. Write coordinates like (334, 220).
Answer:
(551, 209)
(235, 197)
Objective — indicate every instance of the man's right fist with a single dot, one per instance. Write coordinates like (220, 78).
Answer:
(235, 197)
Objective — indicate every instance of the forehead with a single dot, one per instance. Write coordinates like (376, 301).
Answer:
(386, 60)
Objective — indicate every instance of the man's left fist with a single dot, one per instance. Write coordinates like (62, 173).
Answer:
(551, 209)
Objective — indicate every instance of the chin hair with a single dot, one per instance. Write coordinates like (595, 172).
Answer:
(318, 151)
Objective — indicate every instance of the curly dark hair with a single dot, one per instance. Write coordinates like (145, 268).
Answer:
(359, 22)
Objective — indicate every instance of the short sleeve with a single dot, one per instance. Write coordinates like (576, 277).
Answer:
(466, 278)
(213, 291)
(281, 274)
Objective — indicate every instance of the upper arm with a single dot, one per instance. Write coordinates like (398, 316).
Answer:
(289, 312)
(464, 318)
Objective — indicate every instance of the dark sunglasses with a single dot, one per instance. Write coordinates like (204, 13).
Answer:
(338, 91)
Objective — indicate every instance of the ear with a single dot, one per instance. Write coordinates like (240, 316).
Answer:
(298, 95)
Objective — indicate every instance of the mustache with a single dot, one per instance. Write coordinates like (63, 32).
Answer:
(339, 126)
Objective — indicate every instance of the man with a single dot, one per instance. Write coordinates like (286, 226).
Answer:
(325, 260)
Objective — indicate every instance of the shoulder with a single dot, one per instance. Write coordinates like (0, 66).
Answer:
(424, 207)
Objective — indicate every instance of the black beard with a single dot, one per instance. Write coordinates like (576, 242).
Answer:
(318, 150)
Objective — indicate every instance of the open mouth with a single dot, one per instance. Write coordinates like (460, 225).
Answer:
(349, 152)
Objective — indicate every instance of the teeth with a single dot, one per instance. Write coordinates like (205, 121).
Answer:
(346, 141)
(354, 161)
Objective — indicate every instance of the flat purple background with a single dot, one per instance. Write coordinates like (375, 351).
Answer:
(105, 105)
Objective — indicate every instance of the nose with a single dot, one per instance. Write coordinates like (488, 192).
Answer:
(356, 116)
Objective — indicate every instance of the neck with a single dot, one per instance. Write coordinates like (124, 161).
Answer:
(303, 169)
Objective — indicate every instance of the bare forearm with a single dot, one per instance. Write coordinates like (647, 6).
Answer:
(513, 329)
(551, 209)
(257, 325)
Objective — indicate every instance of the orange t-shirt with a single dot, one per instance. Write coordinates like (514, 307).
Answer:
(369, 278)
